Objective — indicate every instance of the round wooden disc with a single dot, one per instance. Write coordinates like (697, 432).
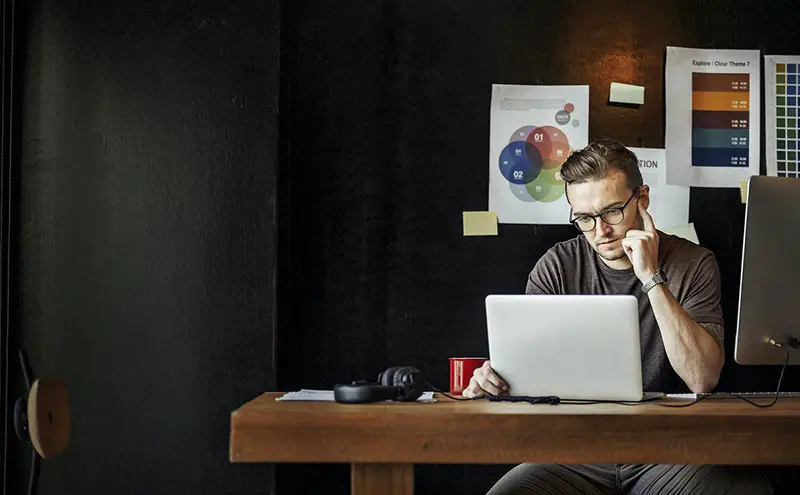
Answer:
(48, 417)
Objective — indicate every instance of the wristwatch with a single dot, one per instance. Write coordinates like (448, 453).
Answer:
(657, 278)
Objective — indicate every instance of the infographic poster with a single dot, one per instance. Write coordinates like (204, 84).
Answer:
(533, 130)
(713, 116)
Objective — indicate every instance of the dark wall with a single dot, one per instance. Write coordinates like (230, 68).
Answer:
(146, 251)
(146, 204)
(386, 114)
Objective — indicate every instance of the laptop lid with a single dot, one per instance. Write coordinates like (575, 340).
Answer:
(571, 346)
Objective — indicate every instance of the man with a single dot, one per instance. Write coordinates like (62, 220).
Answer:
(677, 284)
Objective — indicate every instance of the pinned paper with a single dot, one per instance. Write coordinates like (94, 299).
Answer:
(480, 223)
(669, 205)
(686, 231)
(626, 93)
(743, 190)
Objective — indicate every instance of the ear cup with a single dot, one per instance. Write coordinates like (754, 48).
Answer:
(409, 381)
(387, 377)
(359, 393)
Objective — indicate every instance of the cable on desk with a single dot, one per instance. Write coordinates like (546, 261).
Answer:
(793, 343)
(448, 395)
(555, 400)
(544, 399)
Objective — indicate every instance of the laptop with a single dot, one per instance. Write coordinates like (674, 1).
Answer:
(579, 347)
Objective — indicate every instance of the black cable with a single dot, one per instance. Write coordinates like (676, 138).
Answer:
(791, 342)
(780, 379)
(26, 369)
(686, 404)
(555, 400)
(544, 399)
(448, 395)
(33, 481)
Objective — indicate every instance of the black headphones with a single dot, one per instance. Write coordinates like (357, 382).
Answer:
(401, 383)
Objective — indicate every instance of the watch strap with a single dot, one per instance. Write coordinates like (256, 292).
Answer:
(657, 278)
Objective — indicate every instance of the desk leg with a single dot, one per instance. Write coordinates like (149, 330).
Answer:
(382, 479)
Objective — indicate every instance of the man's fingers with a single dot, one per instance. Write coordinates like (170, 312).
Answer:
(495, 380)
(491, 387)
(626, 247)
(647, 220)
(474, 389)
(633, 233)
(468, 393)
(487, 373)
(484, 380)
(631, 242)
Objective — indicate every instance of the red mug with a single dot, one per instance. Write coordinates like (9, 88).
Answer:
(461, 370)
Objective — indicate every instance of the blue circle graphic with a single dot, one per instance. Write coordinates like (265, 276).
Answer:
(520, 163)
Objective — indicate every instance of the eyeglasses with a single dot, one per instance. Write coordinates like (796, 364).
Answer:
(611, 216)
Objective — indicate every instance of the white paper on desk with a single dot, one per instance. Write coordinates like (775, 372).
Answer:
(311, 395)
(669, 205)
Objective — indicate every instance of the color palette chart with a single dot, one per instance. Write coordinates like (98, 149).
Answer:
(783, 125)
(720, 119)
(713, 116)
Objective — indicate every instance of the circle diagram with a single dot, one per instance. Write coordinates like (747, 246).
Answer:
(532, 160)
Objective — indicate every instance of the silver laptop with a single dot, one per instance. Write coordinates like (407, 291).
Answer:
(571, 346)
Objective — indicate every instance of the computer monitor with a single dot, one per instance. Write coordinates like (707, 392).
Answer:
(769, 293)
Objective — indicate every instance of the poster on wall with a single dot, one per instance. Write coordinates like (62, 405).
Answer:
(782, 95)
(533, 130)
(712, 116)
(669, 205)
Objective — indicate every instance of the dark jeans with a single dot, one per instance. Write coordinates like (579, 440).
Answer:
(638, 479)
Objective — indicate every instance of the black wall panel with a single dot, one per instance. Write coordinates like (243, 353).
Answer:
(146, 252)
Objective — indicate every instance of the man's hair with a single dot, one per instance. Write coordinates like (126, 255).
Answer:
(596, 160)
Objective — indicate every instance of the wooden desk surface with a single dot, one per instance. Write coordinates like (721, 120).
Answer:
(446, 431)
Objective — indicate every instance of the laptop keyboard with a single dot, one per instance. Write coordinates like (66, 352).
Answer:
(752, 395)
(736, 395)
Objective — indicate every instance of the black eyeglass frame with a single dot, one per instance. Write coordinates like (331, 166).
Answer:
(594, 218)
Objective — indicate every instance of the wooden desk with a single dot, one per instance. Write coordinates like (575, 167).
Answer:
(383, 441)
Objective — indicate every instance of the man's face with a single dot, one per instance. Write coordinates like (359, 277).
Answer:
(597, 196)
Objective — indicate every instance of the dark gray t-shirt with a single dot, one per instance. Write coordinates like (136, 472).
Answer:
(573, 267)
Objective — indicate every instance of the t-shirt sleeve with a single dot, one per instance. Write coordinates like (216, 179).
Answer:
(544, 278)
(702, 300)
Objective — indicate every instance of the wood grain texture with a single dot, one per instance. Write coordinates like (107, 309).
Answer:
(710, 432)
(383, 479)
(49, 417)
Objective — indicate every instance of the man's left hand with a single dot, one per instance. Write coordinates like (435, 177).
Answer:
(641, 247)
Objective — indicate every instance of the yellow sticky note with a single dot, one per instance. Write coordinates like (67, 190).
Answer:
(743, 190)
(626, 93)
(686, 231)
(480, 223)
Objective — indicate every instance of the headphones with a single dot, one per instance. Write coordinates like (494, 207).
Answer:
(401, 383)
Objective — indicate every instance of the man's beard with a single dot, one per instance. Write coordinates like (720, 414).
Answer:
(613, 256)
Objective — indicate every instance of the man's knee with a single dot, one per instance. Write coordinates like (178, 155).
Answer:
(553, 479)
(735, 480)
(706, 479)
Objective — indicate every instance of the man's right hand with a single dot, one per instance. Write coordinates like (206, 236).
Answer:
(485, 381)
